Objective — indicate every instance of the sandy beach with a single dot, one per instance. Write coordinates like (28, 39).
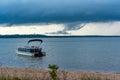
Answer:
(40, 74)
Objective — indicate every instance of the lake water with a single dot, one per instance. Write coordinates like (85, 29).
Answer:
(82, 53)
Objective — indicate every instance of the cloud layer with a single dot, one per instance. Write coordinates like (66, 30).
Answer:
(58, 11)
(30, 29)
(108, 28)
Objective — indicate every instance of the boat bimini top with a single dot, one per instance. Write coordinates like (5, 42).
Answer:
(35, 40)
(32, 40)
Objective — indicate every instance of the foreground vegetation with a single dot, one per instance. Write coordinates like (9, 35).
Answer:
(82, 78)
(53, 74)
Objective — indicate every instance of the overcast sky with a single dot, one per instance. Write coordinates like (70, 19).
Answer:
(72, 17)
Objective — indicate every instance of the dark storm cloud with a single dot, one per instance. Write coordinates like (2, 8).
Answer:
(58, 11)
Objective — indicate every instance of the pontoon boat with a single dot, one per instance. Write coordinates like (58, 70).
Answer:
(35, 51)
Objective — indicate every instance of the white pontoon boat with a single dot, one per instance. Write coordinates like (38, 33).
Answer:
(35, 51)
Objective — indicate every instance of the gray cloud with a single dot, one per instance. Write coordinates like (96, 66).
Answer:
(58, 11)
(74, 26)
(69, 27)
(59, 32)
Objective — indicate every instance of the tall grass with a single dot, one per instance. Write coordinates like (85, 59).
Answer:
(82, 78)
(33, 74)
(93, 78)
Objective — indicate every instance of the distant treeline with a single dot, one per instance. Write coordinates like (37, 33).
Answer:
(21, 36)
(45, 36)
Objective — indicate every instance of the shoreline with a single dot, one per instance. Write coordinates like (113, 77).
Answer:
(53, 36)
(35, 74)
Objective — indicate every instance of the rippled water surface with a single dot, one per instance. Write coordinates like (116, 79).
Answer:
(82, 53)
